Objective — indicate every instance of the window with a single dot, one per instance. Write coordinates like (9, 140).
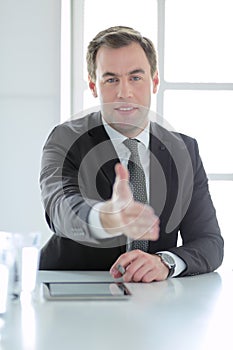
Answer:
(207, 116)
(198, 36)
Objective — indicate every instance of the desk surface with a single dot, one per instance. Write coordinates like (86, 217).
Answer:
(190, 313)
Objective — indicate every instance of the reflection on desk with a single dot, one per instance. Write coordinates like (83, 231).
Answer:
(189, 313)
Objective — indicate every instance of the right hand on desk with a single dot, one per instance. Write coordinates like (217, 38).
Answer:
(123, 214)
(140, 267)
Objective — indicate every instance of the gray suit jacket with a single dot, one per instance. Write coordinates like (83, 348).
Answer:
(78, 171)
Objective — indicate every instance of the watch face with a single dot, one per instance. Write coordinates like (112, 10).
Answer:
(169, 261)
(167, 258)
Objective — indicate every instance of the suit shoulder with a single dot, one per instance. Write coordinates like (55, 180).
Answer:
(173, 137)
(79, 124)
(73, 129)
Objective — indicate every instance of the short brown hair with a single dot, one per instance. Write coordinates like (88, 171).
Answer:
(116, 37)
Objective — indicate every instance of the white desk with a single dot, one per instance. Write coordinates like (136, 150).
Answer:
(191, 313)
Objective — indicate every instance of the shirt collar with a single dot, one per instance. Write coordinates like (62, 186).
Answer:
(117, 138)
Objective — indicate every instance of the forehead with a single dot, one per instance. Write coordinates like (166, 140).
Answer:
(121, 60)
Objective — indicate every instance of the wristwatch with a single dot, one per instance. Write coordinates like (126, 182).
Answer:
(168, 261)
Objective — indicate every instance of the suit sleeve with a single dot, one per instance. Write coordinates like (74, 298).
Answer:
(66, 210)
(202, 248)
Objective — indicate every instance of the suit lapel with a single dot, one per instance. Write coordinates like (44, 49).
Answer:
(160, 169)
(160, 177)
(106, 154)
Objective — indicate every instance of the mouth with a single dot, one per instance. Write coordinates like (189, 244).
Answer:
(126, 109)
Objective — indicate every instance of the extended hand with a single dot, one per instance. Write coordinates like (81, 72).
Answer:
(140, 267)
(123, 214)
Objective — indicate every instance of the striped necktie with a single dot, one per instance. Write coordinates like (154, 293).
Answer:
(137, 181)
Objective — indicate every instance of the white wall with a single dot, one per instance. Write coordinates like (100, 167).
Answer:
(29, 106)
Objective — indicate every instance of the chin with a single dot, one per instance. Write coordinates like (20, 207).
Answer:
(127, 129)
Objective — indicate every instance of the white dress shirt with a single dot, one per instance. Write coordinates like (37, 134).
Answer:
(123, 155)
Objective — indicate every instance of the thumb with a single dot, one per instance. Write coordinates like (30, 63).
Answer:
(121, 189)
(122, 173)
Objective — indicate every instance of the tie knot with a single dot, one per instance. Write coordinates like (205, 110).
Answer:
(132, 145)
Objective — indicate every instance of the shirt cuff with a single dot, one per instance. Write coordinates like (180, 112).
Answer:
(95, 225)
(180, 264)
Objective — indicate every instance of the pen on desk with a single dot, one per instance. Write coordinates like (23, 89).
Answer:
(121, 269)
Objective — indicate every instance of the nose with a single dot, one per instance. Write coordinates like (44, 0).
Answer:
(124, 89)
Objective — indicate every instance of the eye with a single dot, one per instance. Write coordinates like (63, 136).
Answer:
(136, 78)
(111, 80)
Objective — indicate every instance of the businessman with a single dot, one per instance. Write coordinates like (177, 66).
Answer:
(117, 188)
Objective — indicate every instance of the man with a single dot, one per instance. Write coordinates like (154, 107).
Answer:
(93, 195)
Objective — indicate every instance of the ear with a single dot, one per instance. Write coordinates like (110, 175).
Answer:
(92, 86)
(155, 82)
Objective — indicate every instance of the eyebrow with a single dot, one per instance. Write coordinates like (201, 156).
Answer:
(135, 71)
